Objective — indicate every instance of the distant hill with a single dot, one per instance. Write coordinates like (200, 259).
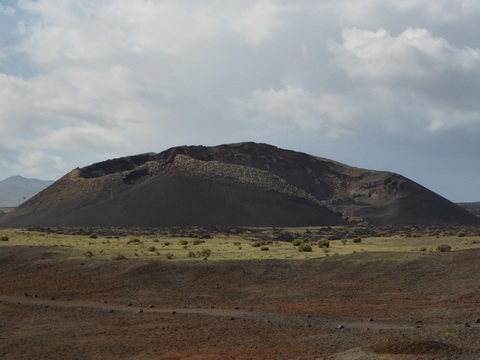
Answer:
(244, 184)
(473, 207)
(17, 189)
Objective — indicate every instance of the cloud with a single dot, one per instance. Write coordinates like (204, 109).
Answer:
(260, 22)
(85, 79)
(292, 108)
(7, 10)
(30, 162)
(440, 75)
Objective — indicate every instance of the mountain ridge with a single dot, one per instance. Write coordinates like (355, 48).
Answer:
(16, 189)
(233, 184)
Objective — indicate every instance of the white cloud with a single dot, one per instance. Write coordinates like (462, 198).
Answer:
(31, 162)
(260, 22)
(92, 31)
(293, 108)
(414, 55)
(417, 63)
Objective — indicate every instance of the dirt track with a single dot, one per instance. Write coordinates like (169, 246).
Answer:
(239, 309)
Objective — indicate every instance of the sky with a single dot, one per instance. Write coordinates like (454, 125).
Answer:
(380, 84)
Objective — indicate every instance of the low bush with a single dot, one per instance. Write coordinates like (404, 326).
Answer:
(134, 242)
(198, 242)
(191, 254)
(324, 243)
(205, 253)
(264, 248)
(305, 248)
(297, 242)
(169, 256)
(88, 254)
(93, 236)
(444, 248)
(4, 238)
(357, 240)
(461, 234)
(152, 248)
(183, 242)
(118, 256)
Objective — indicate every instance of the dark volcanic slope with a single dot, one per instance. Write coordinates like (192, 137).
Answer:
(237, 184)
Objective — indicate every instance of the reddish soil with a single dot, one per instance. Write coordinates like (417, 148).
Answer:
(51, 308)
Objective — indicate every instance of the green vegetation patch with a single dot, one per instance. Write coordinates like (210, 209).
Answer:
(196, 244)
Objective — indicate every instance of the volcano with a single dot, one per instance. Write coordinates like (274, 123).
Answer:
(244, 184)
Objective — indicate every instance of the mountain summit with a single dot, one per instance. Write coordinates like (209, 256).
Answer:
(16, 189)
(244, 184)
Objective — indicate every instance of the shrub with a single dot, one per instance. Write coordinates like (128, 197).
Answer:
(344, 241)
(167, 243)
(152, 248)
(205, 253)
(324, 243)
(93, 236)
(256, 244)
(198, 242)
(183, 242)
(357, 240)
(134, 242)
(264, 248)
(304, 248)
(444, 248)
(88, 254)
(191, 254)
(297, 242)
(169, 255)
(4, 238)
(118, 256)
(460, 234)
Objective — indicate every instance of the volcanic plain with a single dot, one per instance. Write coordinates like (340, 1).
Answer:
(403, 292)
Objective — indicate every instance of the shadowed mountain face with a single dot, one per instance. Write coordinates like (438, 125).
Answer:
(245, 184)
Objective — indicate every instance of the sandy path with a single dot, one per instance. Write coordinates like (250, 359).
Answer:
(234, 314)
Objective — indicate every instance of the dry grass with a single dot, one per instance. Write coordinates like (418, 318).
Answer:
(224, 246)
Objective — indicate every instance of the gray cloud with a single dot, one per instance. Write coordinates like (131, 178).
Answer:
(381, 84)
